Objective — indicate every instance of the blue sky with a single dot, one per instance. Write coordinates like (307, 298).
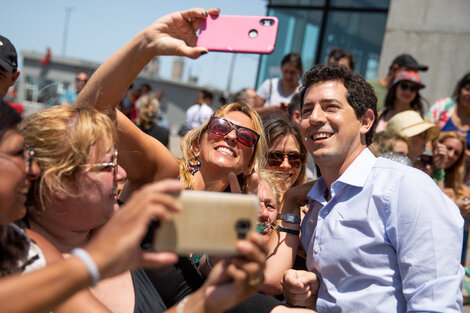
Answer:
(98, 28)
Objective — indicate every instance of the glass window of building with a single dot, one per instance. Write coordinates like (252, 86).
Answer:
(313, 27)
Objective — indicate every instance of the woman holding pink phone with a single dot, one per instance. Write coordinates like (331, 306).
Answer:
(223, 154)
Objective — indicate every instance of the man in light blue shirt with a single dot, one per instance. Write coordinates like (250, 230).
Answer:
(380, 236)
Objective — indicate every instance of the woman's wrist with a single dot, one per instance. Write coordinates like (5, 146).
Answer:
(89, 263)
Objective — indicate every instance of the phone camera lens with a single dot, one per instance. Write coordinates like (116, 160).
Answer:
(266, 22)
(253, 33)
(242, 227)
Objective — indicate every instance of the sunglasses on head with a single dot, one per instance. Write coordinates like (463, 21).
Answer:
(405, 86)
(295, 159)
(221, 126)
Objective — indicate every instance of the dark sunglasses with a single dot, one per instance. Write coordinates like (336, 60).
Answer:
(405, 86)
(223, 127)
(295, 159)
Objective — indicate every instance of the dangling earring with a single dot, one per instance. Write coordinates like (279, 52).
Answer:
(194, 165)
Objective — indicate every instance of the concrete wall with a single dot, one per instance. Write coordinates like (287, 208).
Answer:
(436, 33)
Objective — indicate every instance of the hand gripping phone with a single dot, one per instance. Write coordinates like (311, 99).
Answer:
(210, 222)
(233, 33)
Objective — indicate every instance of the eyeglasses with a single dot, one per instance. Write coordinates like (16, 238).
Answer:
(28, 157)
(27, 154)
(81, 80)
(295, 159)
(411, 87)
(221, 126)
(107, 165)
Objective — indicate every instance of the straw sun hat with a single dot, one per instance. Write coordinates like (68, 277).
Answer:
(410, 123)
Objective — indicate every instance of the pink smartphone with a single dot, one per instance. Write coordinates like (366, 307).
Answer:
(233, 33)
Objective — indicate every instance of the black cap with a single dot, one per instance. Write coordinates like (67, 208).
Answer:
(8, 57)
(408, 61)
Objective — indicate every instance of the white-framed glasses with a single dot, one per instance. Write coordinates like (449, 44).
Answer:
(107, 165)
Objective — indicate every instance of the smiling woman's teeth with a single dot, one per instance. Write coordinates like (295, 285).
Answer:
(225, 150)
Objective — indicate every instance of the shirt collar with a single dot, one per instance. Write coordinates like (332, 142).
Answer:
(356, 175)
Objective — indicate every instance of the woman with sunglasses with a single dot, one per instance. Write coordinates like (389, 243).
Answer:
(402, 96)
(229, 142)
(220, 155)
(113, 250)
(286, 154)
(75, 196)
(80, 189)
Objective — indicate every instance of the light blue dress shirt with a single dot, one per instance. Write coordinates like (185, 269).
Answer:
(388, 241)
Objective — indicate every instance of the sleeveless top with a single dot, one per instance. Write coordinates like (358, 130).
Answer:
(147, 298)
(450, 126)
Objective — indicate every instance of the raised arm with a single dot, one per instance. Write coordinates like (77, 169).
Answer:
(113, 250)
(282, 246)
(144, 158)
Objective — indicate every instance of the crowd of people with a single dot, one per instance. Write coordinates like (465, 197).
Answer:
(362, 203)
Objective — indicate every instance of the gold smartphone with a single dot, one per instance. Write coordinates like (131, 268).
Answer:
(210, 222)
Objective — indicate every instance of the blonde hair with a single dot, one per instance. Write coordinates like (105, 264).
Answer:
(269, 177)
(194, 136)
(61, 138)
(455, 173)
(385, 141)
(148, 107)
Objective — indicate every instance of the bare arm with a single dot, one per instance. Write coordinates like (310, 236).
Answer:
(114, 249)
(282, 246)
(83, 301)
(27, 293)
(143, 157)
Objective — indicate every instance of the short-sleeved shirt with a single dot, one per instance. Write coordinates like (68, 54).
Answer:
(197, 114)
(270, 91)
(69, 96)
(388, 240)
(380, 92)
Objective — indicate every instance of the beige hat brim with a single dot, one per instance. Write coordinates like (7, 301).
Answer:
(416, 129)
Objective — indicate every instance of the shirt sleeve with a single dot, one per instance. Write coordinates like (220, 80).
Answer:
(427, 233)
(263, 90)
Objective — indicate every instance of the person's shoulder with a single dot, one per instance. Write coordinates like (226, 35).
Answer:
(373, 81)
(192, 108)
(264, 87)
(404, 174)
(50, 252)
(444, 102)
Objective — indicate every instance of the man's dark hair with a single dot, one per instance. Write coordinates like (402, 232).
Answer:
(336, 54)
(295, 59)
(360, 94)
(294, 104)
(145, 85)
(460, 84)
(207, 94)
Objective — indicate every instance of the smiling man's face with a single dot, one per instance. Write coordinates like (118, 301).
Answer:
(330, 128)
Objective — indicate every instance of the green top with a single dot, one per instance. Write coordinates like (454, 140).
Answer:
(380, 92)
